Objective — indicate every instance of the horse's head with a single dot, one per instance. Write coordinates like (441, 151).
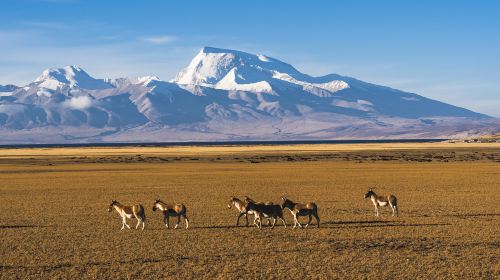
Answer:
(286, 203)
(113, 203)
(369, 193)
(231, 202)
(155, 205)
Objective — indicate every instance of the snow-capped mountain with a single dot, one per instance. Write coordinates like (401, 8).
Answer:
(223, 95)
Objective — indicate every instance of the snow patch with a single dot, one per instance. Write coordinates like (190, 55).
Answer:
(229, 83)
(263, 58)
(410, 98)
(146, 80)
(318, 89)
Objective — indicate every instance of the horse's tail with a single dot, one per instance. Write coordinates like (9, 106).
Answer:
(183, 210)
(142, 213)
(394, 200)
(315, 212)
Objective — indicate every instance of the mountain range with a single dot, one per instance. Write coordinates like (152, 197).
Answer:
(223, 95)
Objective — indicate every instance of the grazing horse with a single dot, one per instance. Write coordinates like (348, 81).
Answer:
(382, 201)
(174, 210)
(269, 211)
(127, 212)
(310, 209)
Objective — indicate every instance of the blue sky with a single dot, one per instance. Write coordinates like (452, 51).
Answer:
(446, 50)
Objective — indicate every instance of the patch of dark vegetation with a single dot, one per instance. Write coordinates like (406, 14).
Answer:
(419, 156)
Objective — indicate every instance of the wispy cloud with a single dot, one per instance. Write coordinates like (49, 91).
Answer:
(45, 24)
(160, 40)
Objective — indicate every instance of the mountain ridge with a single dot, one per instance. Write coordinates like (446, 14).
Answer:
(223, 95)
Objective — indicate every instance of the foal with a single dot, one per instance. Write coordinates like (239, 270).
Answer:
(127, 212)
(382, 201)
(174, 210)
(310, 209)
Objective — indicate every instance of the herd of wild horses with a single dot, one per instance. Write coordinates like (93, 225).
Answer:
(268, 210)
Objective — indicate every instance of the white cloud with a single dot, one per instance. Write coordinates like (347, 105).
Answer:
(79, 102)
(160, 40)
(361, 105)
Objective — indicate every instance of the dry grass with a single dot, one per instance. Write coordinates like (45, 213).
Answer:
(54, 222)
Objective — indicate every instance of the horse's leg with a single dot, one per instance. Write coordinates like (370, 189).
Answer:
(186, 220)
(178, 221)
(396, 210)
(376, 211)
(165, 220)
(238, 220)
(308, 222)
(274, 222)
(256, 218)
(283, 220)
(124, 221)
(316, 217)
(297, 219)
(139, 220)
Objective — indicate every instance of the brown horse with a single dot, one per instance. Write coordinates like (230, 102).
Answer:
(174, 210)
(310, 209)
(379, 200)
(127, 212)
(241, 207)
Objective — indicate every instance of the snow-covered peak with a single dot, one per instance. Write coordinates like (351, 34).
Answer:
(241, 71)
(69, 76)
(211, 65)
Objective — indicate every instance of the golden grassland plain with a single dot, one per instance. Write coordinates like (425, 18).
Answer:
(54, 222)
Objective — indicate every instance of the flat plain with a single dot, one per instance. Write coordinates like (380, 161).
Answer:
(54, 222)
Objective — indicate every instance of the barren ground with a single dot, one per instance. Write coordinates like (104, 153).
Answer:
(55, 224)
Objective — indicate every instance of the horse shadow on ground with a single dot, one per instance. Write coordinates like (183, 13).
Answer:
(473, 215)
(376, 223)
(201, 227)
(20, 226)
